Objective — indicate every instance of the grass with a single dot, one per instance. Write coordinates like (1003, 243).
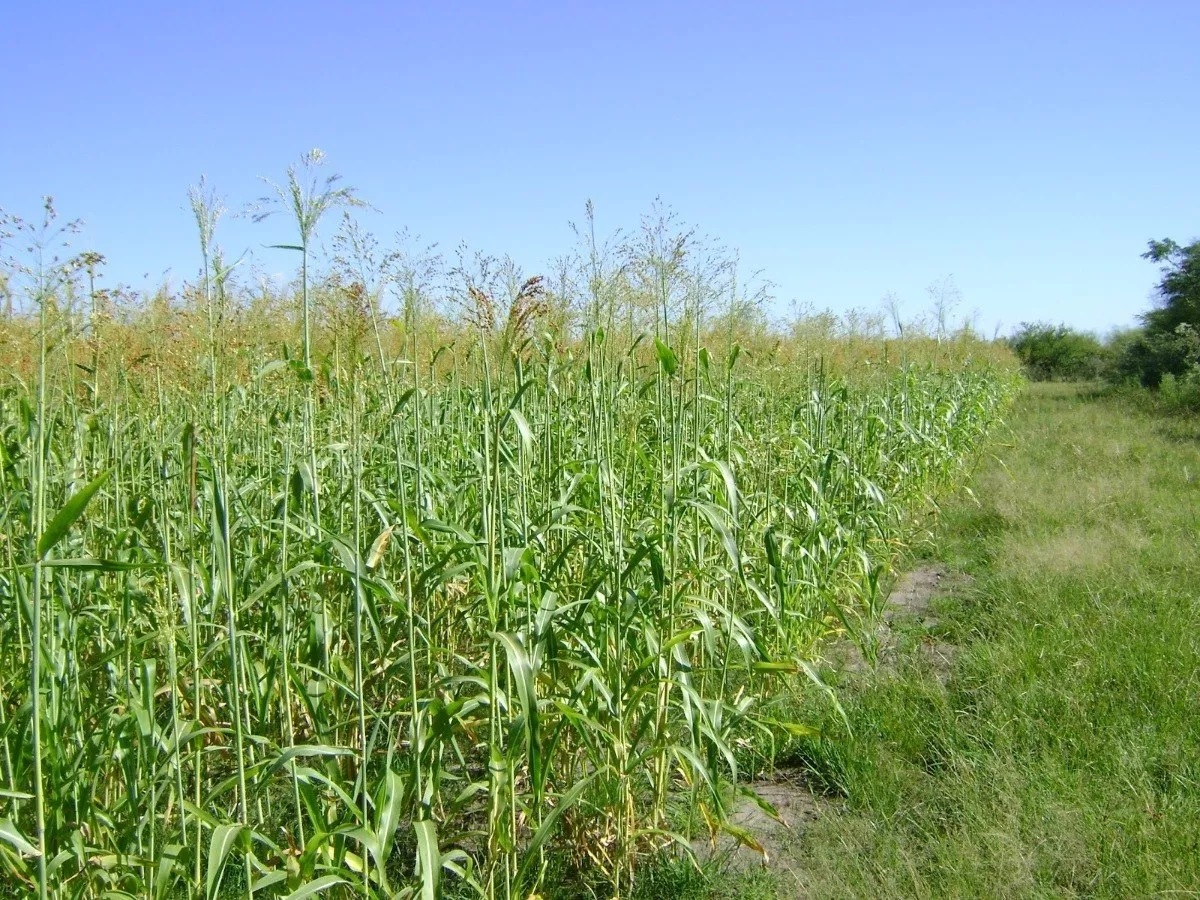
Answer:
(1063, 757)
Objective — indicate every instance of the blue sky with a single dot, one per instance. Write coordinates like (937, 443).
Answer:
(1029, 150)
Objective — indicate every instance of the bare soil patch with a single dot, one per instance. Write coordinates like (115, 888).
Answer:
(908, 616)
(788, 793)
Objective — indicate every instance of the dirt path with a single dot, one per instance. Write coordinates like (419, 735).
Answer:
(908, 625)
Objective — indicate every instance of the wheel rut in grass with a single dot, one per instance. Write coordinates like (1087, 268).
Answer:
(788, 792)
(907, 627)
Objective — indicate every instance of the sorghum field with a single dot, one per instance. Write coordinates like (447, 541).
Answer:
(393, 583)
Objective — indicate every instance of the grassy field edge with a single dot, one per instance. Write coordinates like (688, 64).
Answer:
(1062, 756)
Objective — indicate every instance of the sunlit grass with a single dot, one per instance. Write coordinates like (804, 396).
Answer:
(1060, 758)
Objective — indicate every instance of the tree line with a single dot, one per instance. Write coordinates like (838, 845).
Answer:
(1162, 353)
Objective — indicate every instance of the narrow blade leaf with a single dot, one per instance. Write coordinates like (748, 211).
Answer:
(429, 859)
(222, 841)
(67, 516)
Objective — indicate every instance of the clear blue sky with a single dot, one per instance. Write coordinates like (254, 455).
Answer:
(1028, 149)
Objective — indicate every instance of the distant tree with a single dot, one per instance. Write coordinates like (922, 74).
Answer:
(1056, 352)
(1179, 288)
(1168, 343)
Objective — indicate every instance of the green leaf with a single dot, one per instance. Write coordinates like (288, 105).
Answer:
(302, 750)
(761, 802)
(99, 565)
(523, 674)
(829, 693)
(267, 880)
(666, 357)
(219, 845)
(716, 518)
(295, 247)
(166, 874)
(9, 833)
(523, 429)
(302, 372)
(798, 729)
(734, 352)
(429, 859)
(744, 837)
(189, 441)
(315, 887)
(273, 366)
(765, 666)
(365, 836)
(388, 818)
(567, 801)
(732, 496)
(63, 857)
(67, 516)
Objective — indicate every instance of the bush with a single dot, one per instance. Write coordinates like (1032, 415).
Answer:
(1150, 357)
(1182, 393)
(1169, 343)
(1058, 353)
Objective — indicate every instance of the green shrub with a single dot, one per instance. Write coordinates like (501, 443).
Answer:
(1148, 357)
(1058, 353)
(1169, 343)
(1181, 393)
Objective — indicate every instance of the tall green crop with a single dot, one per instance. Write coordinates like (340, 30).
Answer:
(550, 584)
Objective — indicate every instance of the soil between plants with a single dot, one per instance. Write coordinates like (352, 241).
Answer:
(908, 612)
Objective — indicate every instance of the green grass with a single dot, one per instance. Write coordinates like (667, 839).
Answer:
(1063, 757)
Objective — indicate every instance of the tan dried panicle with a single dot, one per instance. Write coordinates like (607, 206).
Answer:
(483, 311)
